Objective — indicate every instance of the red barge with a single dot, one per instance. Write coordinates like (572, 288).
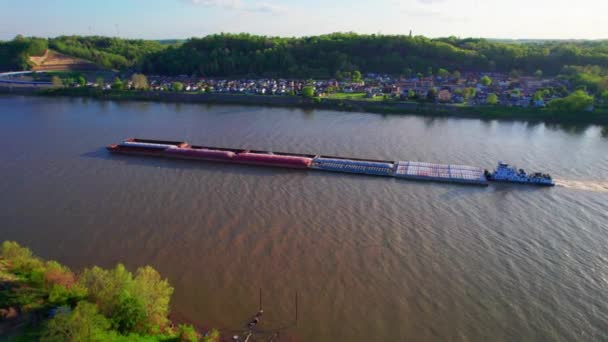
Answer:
(182, 150)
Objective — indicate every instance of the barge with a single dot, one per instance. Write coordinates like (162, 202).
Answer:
(413, 170)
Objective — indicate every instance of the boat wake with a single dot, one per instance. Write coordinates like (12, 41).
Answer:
(595, 186)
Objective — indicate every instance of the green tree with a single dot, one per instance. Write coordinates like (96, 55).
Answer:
(486, 81)
(118, 84)
(155, 293)
(177, 86)
(81, 80)
(456, 75)
(604, 95)
(469, 93)
(84, 323)
(443, 73)
(129, 314)
(308, 91)
(356, 76)
(538, 73)
(492, 99)
(578, 101)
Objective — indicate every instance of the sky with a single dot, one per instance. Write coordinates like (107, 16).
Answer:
(177, 19)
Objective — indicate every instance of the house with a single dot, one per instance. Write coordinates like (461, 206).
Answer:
(444, 95)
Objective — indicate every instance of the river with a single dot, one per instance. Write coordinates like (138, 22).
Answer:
(370, 258)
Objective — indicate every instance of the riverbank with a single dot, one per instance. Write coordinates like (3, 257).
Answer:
(599, 116)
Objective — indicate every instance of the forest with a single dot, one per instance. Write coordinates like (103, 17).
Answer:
(324, 56)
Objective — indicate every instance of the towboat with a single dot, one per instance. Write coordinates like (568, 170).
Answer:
(506, 173)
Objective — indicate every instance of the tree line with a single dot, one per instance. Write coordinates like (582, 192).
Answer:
(324, 56)
(327, 55)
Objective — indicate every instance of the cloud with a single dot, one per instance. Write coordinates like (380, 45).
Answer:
(239, 5)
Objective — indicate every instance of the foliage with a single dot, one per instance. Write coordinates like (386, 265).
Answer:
(356, 76)
(56, 81)
(492, 99)
(186, 333)
(576, 102)
(139, 81)
(118, 84)
(334, 54)
(114, 53)
(155, 294)
(212, 336)
(443, 73)
(81, 81)
(14, 54)
(308, 91)
(129, 314)
(486, 81)
(84, 323)
(177, 86)
(100, 305)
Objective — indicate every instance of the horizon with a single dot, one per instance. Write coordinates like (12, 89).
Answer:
(183, 19)
(515, 40)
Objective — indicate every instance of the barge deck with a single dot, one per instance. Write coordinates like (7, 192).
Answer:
(401, 170)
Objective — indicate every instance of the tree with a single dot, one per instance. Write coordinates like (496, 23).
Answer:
(486, 81)
(356, 76)
(84, 323)
(308, 91)
(469, 93)
(139, 81)
(604, 95)
(155, 293)
(177, 86)
(578, 101)
(411, 94)
(429, 71)
(492, 99)
(443, 73)
(56, 81)
(538, 73)
(456, 75)
(118, 85)
(129, 314)
(81, 80)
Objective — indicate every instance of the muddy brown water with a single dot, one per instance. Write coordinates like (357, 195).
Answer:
(371, 258)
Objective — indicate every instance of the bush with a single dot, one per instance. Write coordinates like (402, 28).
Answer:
(186, 333)
(576, 102)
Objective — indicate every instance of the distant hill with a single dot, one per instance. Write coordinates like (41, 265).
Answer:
(324, 56)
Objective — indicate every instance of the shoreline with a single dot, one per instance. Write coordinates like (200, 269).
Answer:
(285, 101)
